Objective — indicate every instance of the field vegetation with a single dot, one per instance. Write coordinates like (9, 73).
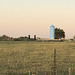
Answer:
(20, 57)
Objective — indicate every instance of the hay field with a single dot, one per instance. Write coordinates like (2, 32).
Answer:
(17, 58)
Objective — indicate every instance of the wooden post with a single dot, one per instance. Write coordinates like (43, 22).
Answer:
(55, 68)
(29, 72)
(69, 71)
(50, 73)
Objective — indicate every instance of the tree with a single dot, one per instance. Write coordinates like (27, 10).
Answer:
(5, 38)
(59, 33)
(74, 38)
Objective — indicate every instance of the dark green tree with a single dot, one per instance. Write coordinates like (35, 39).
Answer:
(5, 38)
(74, 38)
(59, 33)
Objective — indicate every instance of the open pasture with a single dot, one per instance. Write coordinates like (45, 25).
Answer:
(19, 57)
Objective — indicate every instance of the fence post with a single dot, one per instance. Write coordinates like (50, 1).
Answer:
(69, 71)
(29, 72)
(50, 73)
(55, 68)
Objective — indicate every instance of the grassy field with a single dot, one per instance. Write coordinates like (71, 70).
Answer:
(17, 58)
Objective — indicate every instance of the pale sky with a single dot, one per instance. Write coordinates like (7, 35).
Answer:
(34, 17)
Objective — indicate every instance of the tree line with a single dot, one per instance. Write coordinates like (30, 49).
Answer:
(7, 38)
(59, 33)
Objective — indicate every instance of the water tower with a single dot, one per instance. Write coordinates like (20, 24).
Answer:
(52, 32)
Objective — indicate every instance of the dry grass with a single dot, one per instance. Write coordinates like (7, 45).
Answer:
(16, 58)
